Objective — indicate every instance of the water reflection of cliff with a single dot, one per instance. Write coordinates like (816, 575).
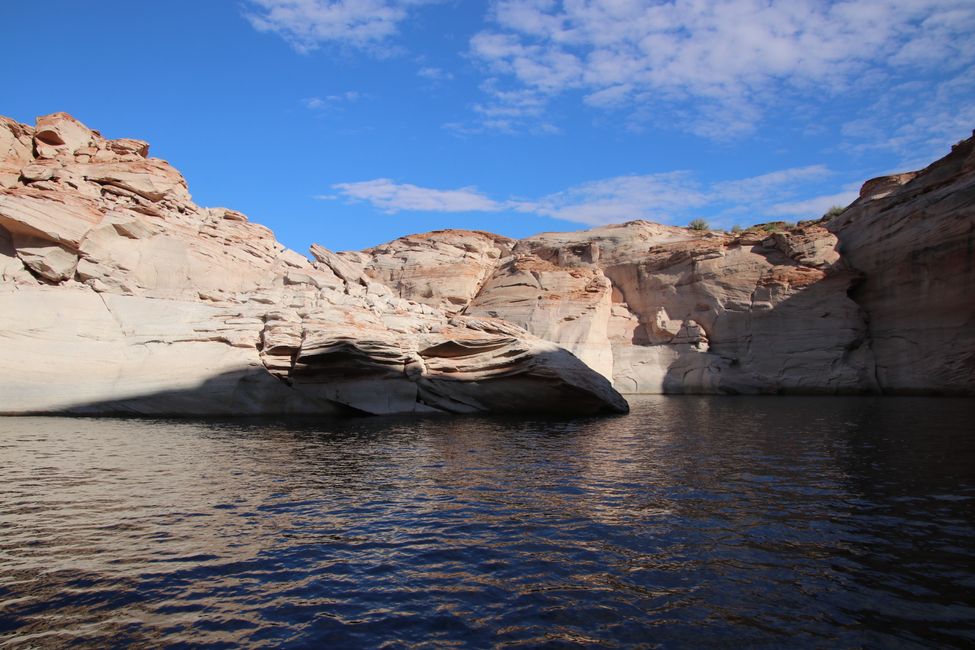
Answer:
(692, 518)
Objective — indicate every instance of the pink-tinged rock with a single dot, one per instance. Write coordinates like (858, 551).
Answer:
(151, 179)
(51, 216)
(444, 268)
(59, 133)
(15, 140)
(16, 143)
(49, 261)
(878, 188)
(338, 265)
(127, 147)
(12, 269)
(664, 309)
(164, 307)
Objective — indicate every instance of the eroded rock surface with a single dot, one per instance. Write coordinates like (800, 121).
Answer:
(877, 300)
(912, 236)
(444, 268)
(118, 294)
(664, 309)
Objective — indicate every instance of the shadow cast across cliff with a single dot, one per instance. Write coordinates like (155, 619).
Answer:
(254, 392)
(815, 341)
(244, 392)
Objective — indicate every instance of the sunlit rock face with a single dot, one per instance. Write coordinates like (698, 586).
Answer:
(664, 309)
(118, 294)
(877, 300)
(445, 268)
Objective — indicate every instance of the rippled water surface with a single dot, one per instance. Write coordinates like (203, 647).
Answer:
(823, 522)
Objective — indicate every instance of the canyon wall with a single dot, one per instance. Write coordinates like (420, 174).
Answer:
(878, 299)
(118, 294)
(911, 237)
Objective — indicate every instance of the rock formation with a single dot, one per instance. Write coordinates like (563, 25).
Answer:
(664, 309)
(876, 300)
(912, 239)
(118, 294)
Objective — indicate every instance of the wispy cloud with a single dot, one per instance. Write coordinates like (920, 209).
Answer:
(712, 68)
(915, 122)
(747, 189)
(434, 74)
(391, 197)
(331, 101)
(308, 24)
(814, 206)
(670, 197)
(656, 197)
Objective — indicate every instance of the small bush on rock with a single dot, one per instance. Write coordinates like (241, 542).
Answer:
(834, 212)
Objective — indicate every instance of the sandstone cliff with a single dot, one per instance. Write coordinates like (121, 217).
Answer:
(118, 294)
(912, 239)
(876, 300)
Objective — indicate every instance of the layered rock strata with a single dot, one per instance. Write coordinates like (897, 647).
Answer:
(876, 300)
(912, 238)
(118, 294)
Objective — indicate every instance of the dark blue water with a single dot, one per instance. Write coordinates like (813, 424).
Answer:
(692, 522)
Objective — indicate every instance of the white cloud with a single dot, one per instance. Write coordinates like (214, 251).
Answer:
(917, 123)
(308, 24)
(330, 101)
(434, 74)
(670, 197)
(814, 207)
(748, 189)
(713, 67)
(391, 197)
(655, 197)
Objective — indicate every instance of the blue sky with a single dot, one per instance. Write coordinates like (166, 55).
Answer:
(350, 123)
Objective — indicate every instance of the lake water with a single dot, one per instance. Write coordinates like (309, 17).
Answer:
(691, 522)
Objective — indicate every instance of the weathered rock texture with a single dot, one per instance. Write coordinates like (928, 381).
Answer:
(879, 299)
(119, 295)
(912, 238)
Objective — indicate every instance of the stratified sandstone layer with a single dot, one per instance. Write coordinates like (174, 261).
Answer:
(912, 238)
(118, 294)
(877, 300)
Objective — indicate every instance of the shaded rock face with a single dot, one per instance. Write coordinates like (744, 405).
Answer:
(877, 300)
(912, 237)
(118, 294)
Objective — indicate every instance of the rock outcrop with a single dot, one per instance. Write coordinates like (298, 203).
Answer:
(445, 269)
(118, 294)
(660, 309)
(876, 300)
(912, 238)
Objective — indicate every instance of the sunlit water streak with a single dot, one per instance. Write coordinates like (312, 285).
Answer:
(819, 522)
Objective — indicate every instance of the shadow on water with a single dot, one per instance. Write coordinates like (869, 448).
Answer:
(692, 521)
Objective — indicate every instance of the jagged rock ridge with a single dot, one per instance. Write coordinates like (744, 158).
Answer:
(118, 294)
